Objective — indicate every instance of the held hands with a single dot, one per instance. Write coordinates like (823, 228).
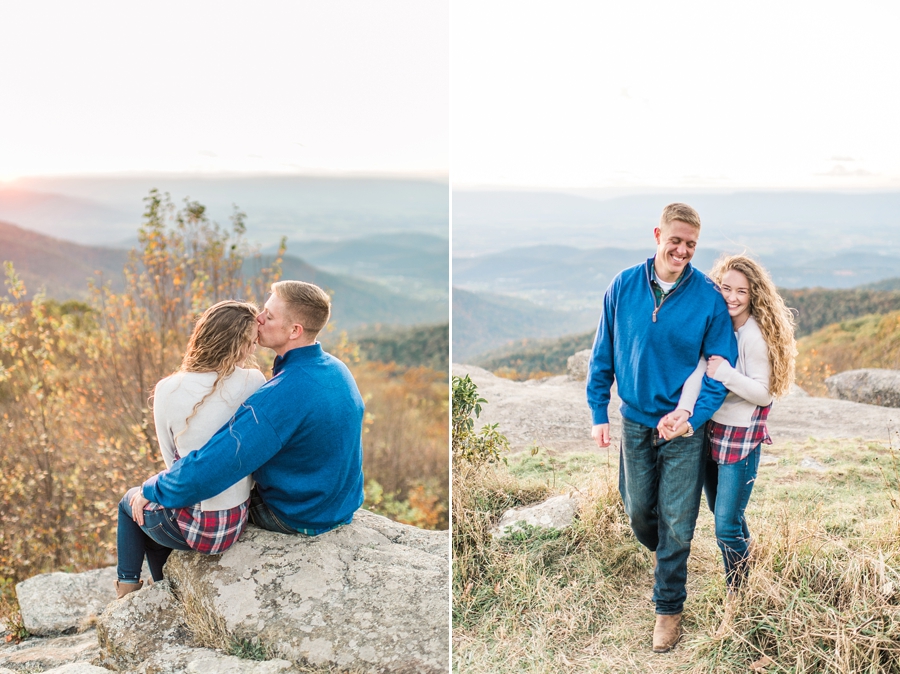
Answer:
(600, 433)
(137, 507)
(673, 425)
(713, 364)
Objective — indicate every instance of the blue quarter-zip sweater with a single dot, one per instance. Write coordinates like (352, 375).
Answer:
(300, 435)
(650, 353)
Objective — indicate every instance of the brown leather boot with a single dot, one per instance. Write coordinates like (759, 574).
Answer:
(126, 588)
(666, 633)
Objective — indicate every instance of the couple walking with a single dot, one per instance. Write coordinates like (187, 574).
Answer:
(697, 362)
(221, 427)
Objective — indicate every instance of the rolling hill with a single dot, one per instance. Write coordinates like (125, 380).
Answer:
(62, 269)
(482, 322)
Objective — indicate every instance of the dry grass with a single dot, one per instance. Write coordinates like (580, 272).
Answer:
(823, 594)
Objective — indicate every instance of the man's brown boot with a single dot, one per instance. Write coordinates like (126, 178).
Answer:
(126, 588)
(666, 633)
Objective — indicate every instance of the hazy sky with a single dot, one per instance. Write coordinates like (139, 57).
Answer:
(285, 87)
(675, 94)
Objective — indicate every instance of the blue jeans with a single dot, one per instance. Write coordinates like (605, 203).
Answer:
(660, 483)
(728, 489)
(264, 517)
(156, 539)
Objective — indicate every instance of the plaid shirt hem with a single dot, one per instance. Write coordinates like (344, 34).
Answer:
(210, 532)
(730, 444)
(214, 531)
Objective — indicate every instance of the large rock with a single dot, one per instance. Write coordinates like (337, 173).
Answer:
(872, 386)
(557, 512)
(577, 365)
(38, 655)
(368, 597)
(54, 603)
(124, 629)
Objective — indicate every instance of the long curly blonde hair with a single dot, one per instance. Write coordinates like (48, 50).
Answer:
(775, 320)
(221, 341)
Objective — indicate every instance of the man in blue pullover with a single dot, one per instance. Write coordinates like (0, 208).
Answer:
(658, 319)
(300, 434)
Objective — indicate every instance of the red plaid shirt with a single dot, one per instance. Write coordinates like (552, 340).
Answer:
(730, 444)
(213, 531)
(210, 532)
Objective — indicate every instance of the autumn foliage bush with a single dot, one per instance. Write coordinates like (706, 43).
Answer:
(76, 379)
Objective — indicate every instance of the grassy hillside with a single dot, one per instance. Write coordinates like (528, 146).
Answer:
(420, 345)
(818, 307)
(870, 341)
(820, 597)
(482, 322)
(886, 284)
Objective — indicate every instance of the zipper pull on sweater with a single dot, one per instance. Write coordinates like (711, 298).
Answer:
(655, 312)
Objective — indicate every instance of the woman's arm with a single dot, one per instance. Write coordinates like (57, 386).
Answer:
(691, 389)
(752, 386)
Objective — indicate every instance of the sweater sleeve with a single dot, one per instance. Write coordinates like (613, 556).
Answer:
(163, 433)
(691, 389)
(718, 341)
(754, 385)
(234, 452)
(601, 367)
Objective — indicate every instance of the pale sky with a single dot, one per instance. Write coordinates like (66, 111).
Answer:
(703, 94)
(299, 86)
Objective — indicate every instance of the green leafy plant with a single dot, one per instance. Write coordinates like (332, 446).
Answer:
(468, 445)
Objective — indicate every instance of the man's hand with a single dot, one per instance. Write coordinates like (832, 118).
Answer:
(713, 364)
(673, 425)
(600, 433)
(137, 507)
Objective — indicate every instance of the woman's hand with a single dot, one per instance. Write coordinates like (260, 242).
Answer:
(137, 507)
(713, 364)
(673, 425)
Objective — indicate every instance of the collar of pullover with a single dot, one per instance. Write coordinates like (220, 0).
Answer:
(298, 355)
(651, 272)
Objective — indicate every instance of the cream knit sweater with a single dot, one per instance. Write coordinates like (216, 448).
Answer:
(173, 402)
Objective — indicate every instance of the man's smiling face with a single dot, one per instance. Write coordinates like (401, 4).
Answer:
(676, 242)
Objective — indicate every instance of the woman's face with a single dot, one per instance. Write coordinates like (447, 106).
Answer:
(736, 291)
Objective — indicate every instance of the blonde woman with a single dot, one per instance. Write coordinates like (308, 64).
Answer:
(764, 328)
(188, 408)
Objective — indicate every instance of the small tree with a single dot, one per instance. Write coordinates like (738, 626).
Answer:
(468, 446)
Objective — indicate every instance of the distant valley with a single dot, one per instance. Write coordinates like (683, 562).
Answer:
(62, 269)
(546, 258)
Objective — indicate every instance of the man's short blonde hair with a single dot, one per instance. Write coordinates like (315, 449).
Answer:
(307, 304)
(681, 212)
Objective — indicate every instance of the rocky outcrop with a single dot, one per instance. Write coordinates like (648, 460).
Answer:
(871, 386)
(557, 512)
(368, 597)
(40, 655)
(55, 603)
(577, 365)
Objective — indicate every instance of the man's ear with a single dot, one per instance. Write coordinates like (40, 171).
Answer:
(296, 331)
(657, 232)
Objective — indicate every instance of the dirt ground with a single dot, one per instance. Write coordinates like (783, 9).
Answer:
(552, 414)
